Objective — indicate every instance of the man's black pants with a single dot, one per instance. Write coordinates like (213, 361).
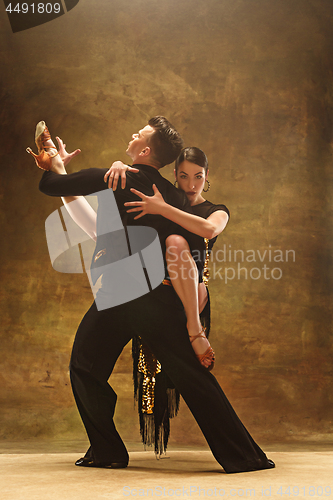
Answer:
(159, 319)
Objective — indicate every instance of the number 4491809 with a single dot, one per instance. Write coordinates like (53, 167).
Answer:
(38, 8)
(311, 491)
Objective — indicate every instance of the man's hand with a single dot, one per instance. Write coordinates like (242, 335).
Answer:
(66, 157)
(118, 168)
(148, 204)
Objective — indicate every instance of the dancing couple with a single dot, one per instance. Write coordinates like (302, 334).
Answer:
(167, 319)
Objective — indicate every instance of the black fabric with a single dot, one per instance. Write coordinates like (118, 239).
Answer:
(91, 180)
(207, 208)
(204, 210)
(155, 428)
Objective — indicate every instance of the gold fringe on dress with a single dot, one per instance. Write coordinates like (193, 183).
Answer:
(157, 398)
(149, 366)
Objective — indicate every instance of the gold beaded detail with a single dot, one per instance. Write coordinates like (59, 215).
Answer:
(205, 274)
(149, 366)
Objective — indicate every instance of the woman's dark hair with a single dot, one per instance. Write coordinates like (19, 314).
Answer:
(193, 155)
(166, 143)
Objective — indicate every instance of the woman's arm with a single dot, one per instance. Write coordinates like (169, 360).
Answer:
(206, 228)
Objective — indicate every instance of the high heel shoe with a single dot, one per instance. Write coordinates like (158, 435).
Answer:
(208, 354)
(43, 159)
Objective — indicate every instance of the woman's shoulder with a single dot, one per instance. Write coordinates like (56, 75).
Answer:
(207, 208)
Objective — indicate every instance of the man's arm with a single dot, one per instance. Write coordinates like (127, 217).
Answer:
(79, 183)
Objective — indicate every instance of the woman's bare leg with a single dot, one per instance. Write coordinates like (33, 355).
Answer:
(184, 278)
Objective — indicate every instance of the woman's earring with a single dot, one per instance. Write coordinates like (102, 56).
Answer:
(175, 184)
(208, 186)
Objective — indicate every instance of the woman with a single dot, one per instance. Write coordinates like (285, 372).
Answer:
(208, 220)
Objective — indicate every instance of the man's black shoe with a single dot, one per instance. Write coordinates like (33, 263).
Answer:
(269, 464)
(90, 462)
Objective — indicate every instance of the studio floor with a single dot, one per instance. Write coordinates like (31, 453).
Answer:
(40, 471)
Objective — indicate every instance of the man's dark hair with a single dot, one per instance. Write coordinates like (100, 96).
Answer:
(165, 143)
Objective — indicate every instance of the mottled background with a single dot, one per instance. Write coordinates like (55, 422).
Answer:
(249, 82)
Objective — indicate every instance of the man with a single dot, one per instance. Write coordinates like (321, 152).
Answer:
(157, 317)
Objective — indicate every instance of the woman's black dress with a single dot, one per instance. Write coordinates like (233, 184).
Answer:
(158, 399)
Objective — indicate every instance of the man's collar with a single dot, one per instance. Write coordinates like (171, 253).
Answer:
(146, 165)
(142, 166)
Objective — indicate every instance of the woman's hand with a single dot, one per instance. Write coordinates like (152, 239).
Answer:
(148, 204)
(118, 168)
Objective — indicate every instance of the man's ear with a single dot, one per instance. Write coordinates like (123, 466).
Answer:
(145, 152)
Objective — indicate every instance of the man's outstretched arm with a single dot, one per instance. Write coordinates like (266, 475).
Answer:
(79, 183)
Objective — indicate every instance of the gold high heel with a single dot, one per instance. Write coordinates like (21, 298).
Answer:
(43, 159)
(207, 355)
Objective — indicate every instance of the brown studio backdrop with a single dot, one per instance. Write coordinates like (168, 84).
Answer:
(249, 82)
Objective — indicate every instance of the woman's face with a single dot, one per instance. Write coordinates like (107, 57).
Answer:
(191, 179)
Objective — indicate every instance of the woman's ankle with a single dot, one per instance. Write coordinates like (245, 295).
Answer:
(194, 328)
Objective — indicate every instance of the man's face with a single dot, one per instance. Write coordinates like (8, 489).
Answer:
(139, 142)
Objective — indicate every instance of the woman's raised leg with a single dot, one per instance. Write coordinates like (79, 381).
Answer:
(49, 158)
